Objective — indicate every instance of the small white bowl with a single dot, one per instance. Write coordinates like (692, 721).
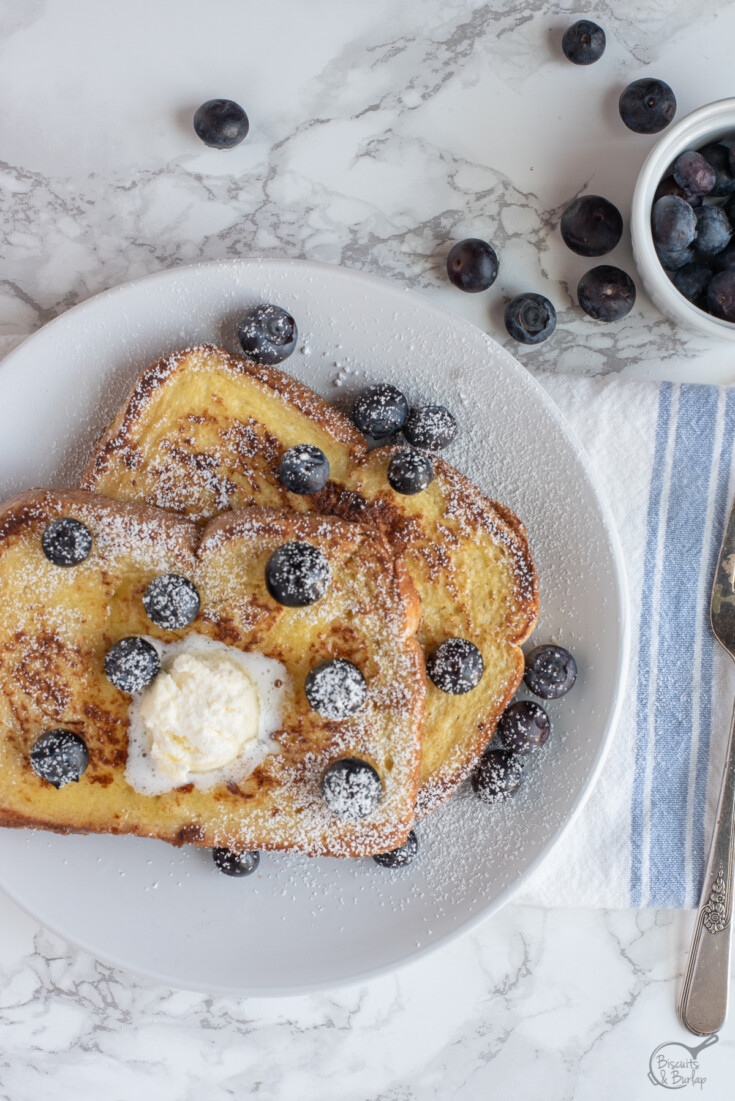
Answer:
(707, 124)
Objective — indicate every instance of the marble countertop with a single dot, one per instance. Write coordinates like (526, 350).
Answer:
(380, 133)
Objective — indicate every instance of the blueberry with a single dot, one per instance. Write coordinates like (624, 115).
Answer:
(713, 230)
(336, 689)
(400, 857)
(171, 601)
(236, 864)
(524, 727)
(718, 156)
(673, 223)
(693, 173)
(692, 280)
(606, 293)
(221, 123)
(530, 318)
(297, 574)
(591, 226)
(669, 186)
(497, 775)
(380, 411)
(472, 265)
(432, 427)
(583, 42)
(673, 259)
(351, 788)
(455, 666)
(647, 105)
(303, 469)
(550, 671)
(132, 663)
(721, 295)
(725, 260)
(66, 542)
(410, 472)
(267, 334)
(59, 756)
(729, 209)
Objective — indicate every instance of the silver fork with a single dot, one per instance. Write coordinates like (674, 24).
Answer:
(704, 996)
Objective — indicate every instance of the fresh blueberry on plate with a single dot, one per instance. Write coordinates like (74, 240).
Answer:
(721, 295)
(472, 265)
(694, 174)
(713, 230)
(171, 601)
(303, 469)
(455, 666)
(673, 223)
(692, 281)
(267, 334)
(550, 671)
(606, 293)
(336, 689)
(524, 727)
(530, 318)
(380, 411)
(647, 105)
(497, 775)
(719, 157)
(59, 756)
(66, 541)
(297, 574)
(591, 226)
(400, 857)
(351, 788)
(132, 664)
(221, 123)
(584, 42)
(236, 864)
(410, 471)
(432, 427)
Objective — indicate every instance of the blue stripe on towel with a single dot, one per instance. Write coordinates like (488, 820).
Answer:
(644, 642)
(709, 644)
(683, 547)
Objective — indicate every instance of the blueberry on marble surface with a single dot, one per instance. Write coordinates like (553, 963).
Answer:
(713, 230)
(132, 663)
(497, 775)
(431, 427)
(400, 857)
(591, 226)
(530, 318)
(524, 727)
(472, 265)
(303, 469)
(171, 601)
(66, 541)
(297, 574)
(693, 173)
(221, 123)
(410, 471)
(351, 788)
(380, 411)
(647, 105)
(59, 756)
(267, 334)
(584, 42)
(235, 864)
(550, 671)
(455, 666)
(606, 293)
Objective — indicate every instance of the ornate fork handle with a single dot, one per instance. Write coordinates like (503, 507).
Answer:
(703, 1005)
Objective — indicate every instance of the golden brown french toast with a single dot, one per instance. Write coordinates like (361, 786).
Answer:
(202, 431)
(61, 619)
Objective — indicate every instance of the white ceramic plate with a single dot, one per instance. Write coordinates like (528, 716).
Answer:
(300, 924)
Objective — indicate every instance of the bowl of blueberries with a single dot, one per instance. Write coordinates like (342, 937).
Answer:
(683, 221)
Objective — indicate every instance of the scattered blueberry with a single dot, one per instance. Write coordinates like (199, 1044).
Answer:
(524, 727)
(351, 788)
(606, 293)
(455, 666)
(669, 186)
(693, 173)
(591, 226)
(721, 295)
(530, 318)
(673, 223)
(221, 123)
(647, 106)
(692, 280)
(171, 601)
(410, 472)
(297, 574)
(236, 864)
(472, 265)
(497, 775)
(718, 156)
(132, 663)
(583, 42)
(59, 756)
(432, 427)
(66, 542)
(267, 334)
(380, 411)
(400, 857)
(673, 259)
(550, 671)
(713, 230)
(303, 469)
(336, 689)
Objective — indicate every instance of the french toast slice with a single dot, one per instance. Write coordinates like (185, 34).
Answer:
(203, 430)
(58, 622)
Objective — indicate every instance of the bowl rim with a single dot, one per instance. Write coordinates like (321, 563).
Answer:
(698, 125)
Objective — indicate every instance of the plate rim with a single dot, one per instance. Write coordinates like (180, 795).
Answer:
(510, 363)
